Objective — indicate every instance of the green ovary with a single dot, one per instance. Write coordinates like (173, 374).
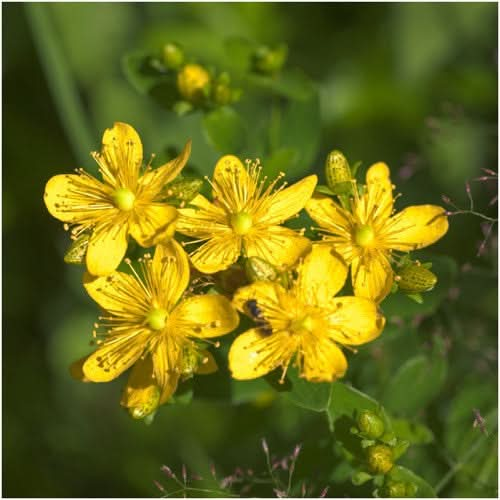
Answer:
(157, 319)
(124, 199)
(241, 223)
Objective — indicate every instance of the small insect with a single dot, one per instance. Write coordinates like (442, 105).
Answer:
(479, 421)
(256, 313)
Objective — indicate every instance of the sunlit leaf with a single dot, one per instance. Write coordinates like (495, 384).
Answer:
(225, 130)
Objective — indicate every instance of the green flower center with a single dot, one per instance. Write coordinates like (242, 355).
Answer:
(241, 222)
(157, 319)
(124, 199)
(364, 236)
(301, 324)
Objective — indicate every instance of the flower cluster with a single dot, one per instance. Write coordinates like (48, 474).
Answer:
(155, 324)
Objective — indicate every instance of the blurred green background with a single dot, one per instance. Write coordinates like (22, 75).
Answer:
(414, 85)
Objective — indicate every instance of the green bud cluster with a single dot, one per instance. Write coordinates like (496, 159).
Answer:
(172, 56)
(269, 61)
(338, 173)
(370, 424)
(415, 278)
(398, 489)
(183, 190)
(77, 250)
(379, 458)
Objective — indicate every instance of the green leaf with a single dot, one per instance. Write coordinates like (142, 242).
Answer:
(324, 190)
(148, 80)
(280, 161)
(345, 400)
(139, 72)
(413, 432)
(424, 489)
(225, 130)
(300, 130)
(245, 391)
(310, 395)
(417, 382)
(445, 268)
(239, 51)
(290, 84)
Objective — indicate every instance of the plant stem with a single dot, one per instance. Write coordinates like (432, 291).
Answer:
(60, 80)
(459, 464)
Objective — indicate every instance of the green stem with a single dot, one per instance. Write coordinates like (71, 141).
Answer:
(274, 125)
(459, 464)
(60, 80)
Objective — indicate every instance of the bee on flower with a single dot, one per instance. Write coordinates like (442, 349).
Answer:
(244, 218)
(148, 324)
(366, 235)
(126, 201)
(307, 322)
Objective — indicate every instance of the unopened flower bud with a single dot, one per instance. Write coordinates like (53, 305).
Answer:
(258, 269)
(148, 405)
(338, 173)
(173, 56)
(379, 458)
(184, 189)
(192, 82)
(370, 424)
(415, 278)
(222, 94)
(77, 250)
(394, 489)
(269, 61)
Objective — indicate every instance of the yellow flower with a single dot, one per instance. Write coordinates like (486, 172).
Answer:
(150, 326)
(366, 237)
(124, 203)
(307, 321)
(192, 80)
(244, 218)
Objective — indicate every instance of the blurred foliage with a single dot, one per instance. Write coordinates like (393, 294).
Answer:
(414, 85)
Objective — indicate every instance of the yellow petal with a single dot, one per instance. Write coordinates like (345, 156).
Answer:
(141, 392)
(204, 220)
(321, 276)
(176, 278)
(107, 247)
(286, 203)
(118, 293)
(330, 216)
(265, 293)
(217, 254)
(153, 181)
(415, 227)
(204, 316)
(208, 364)
(355, 321)
(322, 360)
(372, 276)
(279, 246)
(166, 365)
(115, 356)
(151, 224)
(73, 198)
(254, 354)
(76, 369)
(232, 185)
(377, 203)
(122, 154)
